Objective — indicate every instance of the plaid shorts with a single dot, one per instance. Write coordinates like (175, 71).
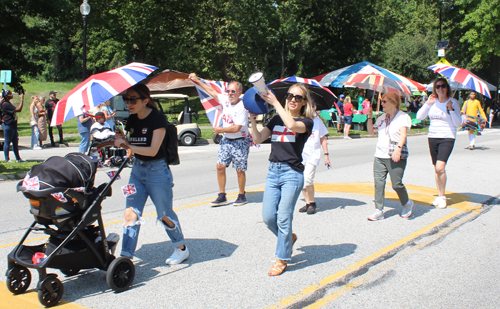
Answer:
(235, 151)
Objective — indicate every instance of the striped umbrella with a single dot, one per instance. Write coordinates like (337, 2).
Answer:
(99, 88)
(322, 96)
(377, 82)
(334, 78)
(462, 76)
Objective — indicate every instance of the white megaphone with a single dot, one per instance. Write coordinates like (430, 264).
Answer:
(257, 80)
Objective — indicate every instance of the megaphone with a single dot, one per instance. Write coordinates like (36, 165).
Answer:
(252, 100)
(257, 80)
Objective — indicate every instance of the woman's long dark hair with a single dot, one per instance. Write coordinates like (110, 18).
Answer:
(143, 91)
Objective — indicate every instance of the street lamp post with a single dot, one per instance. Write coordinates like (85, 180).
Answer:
(85, 10)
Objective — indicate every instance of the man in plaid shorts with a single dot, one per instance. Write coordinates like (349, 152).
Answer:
(234, 146)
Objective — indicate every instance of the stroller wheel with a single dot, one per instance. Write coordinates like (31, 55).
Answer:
(18, 279)
(50, 291)
(120, 274)
(70, 272)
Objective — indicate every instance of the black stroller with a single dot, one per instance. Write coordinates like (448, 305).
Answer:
(65, 206)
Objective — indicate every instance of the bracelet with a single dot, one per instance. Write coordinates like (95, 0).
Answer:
(326, 153)
(400, 147)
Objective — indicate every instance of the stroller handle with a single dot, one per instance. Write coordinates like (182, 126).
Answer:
(112, 143)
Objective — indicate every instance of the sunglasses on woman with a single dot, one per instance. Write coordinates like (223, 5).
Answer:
(298, 97)
(131, 101)
(441, 86)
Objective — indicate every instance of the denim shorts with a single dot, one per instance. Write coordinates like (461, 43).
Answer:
(235, 151)
(348, 119)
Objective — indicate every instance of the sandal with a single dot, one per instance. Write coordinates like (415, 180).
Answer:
(278, 268)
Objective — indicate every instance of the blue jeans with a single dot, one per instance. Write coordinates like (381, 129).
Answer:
(153, 179)
(10, 136)
(35, 136)
(85, 143)
(283, 187)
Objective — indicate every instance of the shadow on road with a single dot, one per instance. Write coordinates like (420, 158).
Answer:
(318, 254)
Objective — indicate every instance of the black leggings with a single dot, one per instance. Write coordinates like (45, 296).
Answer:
(440, 149)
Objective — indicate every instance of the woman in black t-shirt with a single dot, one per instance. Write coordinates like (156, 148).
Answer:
(150, 176)
(9, 125)
(289, 130)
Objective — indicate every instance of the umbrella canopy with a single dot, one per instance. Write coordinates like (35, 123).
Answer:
(99, 88)
(335, 78)
(323, 97)
(462, 76)
(171, 81)
(377, 82)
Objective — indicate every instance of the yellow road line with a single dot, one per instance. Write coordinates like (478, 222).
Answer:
(357, 265)
(27, 300)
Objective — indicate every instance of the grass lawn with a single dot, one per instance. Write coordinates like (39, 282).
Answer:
(16, 168)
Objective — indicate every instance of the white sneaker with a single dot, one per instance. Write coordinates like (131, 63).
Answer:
(439, 202)
(407, 209)
(377, 215)
(37, 148)
(348, 137)
(178, 256)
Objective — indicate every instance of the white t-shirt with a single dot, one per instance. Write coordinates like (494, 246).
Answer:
(312, 148)
(233, 115)
(442, 125)
(390, 133)
(101, 131)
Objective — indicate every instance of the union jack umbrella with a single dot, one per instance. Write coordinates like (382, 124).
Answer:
(335, 78)
(99, 88)
(462, 76)
(377, 82)
(211, 104)
(323, 97)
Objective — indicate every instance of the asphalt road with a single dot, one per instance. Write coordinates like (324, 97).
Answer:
(437, 258)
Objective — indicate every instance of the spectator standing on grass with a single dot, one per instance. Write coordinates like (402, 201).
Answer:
(347, 117)
(9, 124)
(50, 106)
(234, 146)
(35, 113)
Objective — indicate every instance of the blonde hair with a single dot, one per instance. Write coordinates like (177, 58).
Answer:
(393, 98)
(306, 110)
(347, 99)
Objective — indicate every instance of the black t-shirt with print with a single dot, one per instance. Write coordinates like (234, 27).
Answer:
(286, 145)
(141, 132)
(9, 116)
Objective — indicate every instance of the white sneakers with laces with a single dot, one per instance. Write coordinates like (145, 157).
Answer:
(440, 202)
(377, 215)
(178, 256)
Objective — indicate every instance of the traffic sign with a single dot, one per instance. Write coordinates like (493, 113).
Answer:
(5, 76)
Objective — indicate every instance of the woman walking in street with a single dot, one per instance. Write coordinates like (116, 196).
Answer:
(444, 115)
(150, 175)
(390, 155)
(289, 131)
(472, 107)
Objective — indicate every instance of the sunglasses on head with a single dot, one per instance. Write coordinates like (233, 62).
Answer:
(131, 101)
(231, 91)
(441, 86)
(298, 97)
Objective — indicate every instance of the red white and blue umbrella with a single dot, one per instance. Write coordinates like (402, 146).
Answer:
(462, 76)
(335, 78)
(377, 82)
(322, 96)
(99, 88)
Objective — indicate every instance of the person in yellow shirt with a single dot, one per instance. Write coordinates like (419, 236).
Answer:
(471, 107)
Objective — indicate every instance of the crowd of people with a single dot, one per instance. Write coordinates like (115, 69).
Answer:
(297, 137)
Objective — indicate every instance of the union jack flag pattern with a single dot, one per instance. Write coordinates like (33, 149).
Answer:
(283, 134)
(31, 183)
(211, 104)
(60, 197)
(79, 189)
(112, 174)
(99, 88)
(100, 164)
(129, 190)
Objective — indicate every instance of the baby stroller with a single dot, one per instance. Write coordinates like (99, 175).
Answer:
(66, 205)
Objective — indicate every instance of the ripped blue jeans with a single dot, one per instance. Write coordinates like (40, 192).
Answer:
(151, 179)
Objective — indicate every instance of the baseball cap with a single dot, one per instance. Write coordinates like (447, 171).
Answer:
(341, 96)
(99, 115)
(52, 92)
